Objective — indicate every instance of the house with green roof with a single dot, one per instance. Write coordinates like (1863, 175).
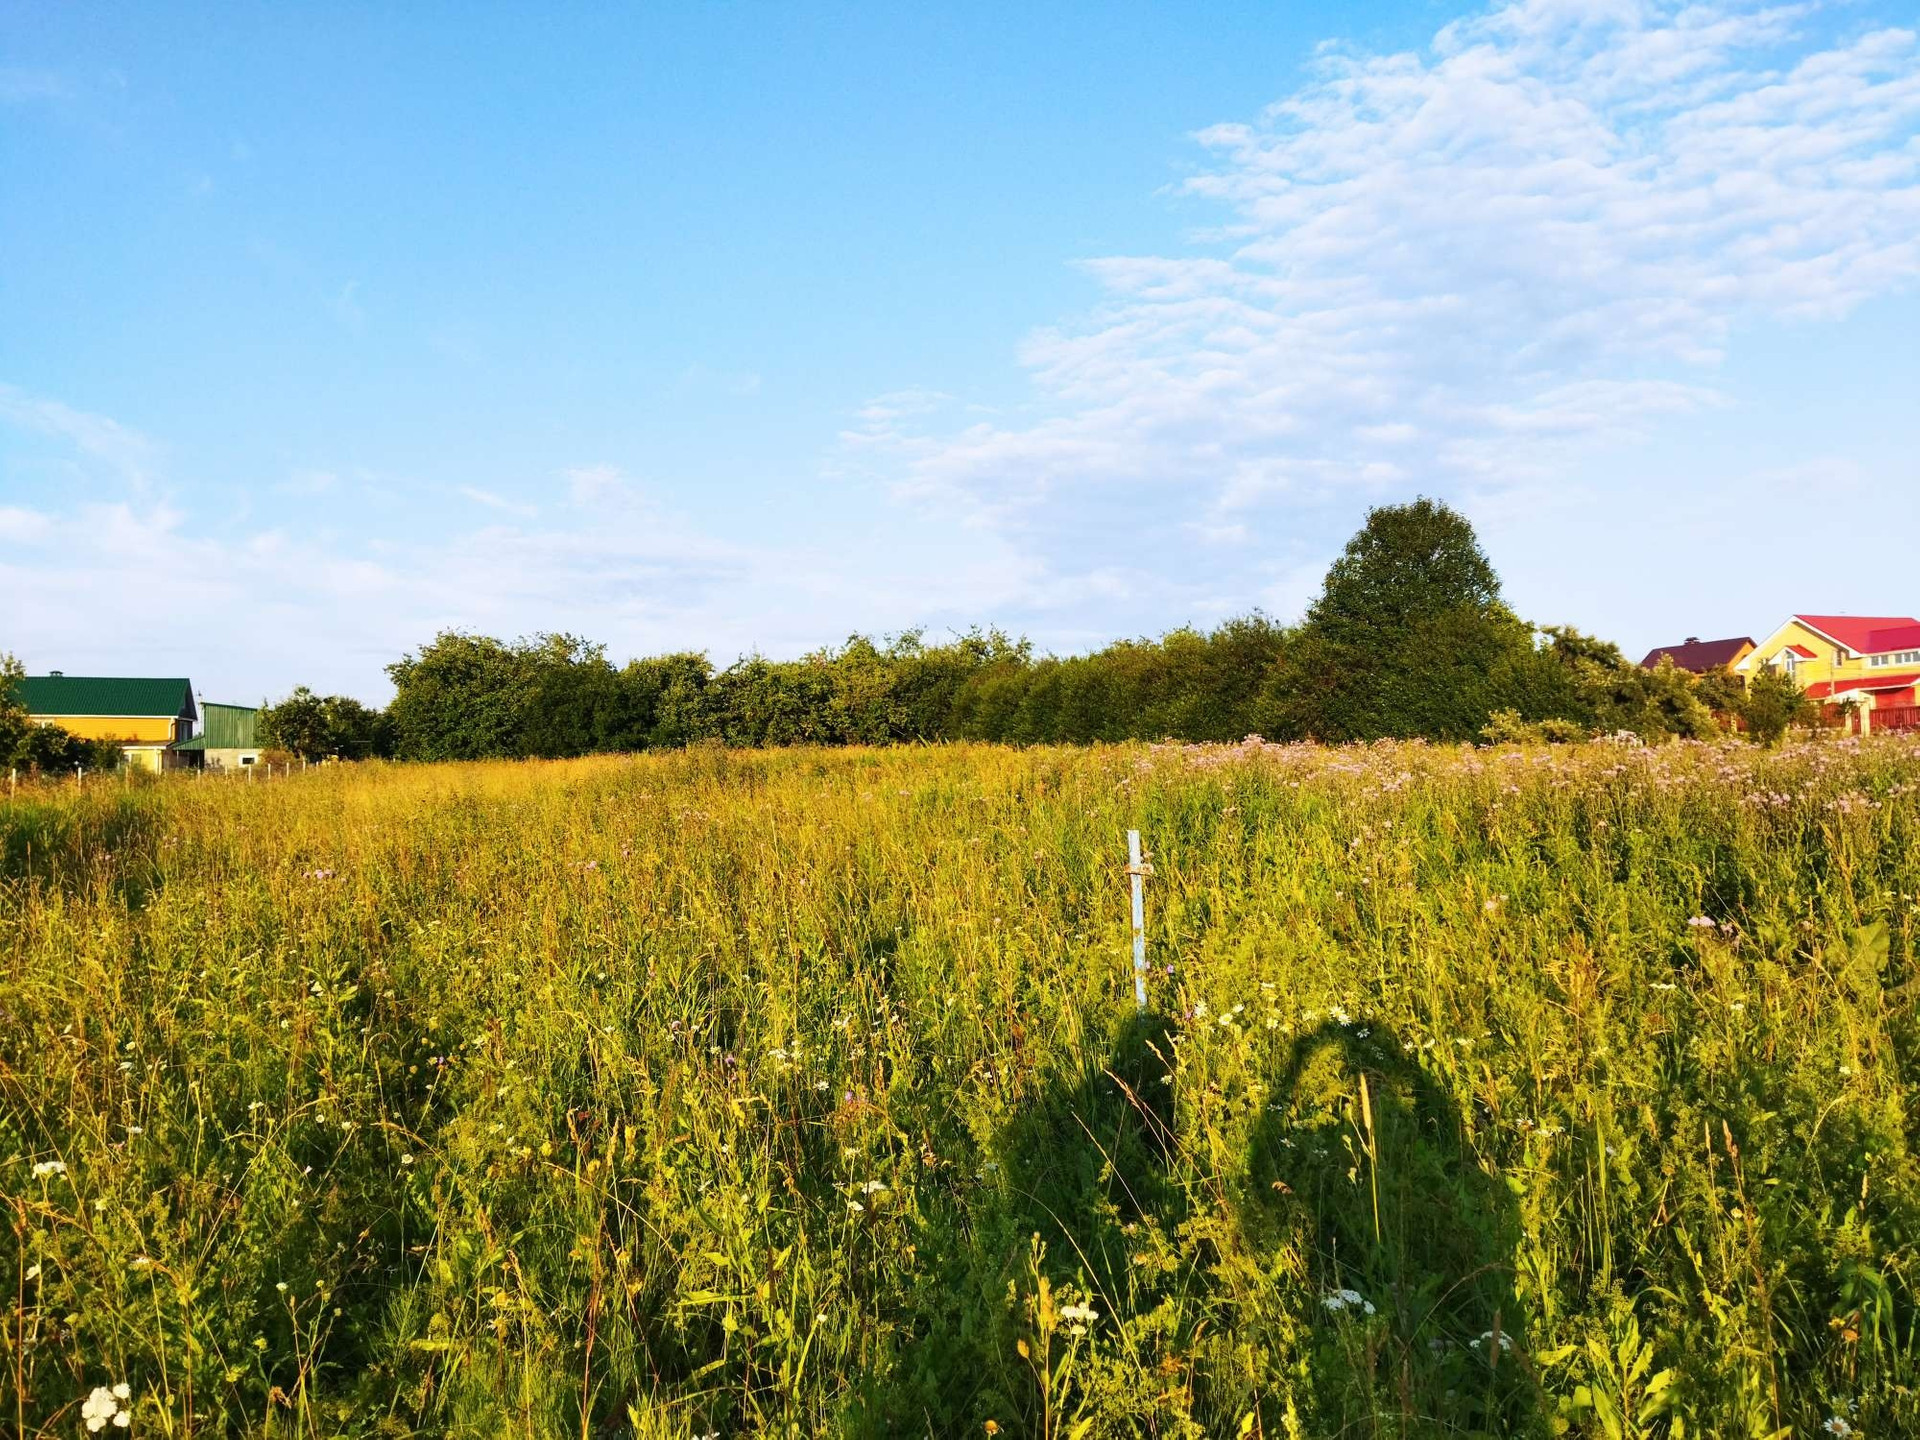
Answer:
(145, 717)
(228, 739)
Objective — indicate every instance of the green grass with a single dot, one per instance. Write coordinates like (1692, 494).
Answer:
(803, 1093)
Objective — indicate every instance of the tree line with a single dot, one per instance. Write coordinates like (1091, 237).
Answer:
(1409, 637)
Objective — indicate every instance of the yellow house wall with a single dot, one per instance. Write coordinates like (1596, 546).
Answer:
(147, 729)
(1825, 665)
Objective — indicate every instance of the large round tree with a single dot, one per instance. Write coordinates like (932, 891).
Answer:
(1409, 636)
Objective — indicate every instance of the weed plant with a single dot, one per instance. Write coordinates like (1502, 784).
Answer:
(1496, 1092)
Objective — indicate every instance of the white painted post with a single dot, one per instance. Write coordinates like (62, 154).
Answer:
(1137, 872)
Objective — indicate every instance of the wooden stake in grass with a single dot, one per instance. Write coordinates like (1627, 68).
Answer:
(1138, 871)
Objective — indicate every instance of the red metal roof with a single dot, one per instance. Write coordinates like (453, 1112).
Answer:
(1803, 652)
(1856, 631)
(1895, 637)
(1820, 689)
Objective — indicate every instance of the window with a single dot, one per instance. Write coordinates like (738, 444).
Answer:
(246, 759)
(1897, 657)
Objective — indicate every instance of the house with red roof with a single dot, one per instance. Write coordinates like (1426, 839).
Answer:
(1869, 662)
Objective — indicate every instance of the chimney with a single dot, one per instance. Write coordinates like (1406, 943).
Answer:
(1693, 639)
(57, 673)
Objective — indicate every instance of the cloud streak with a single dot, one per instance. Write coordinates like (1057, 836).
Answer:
(1463, 269)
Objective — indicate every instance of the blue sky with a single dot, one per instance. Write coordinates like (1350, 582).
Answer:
(738, 327)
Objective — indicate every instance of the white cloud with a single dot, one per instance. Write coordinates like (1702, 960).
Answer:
(1465, 270)
(495, 502)
(127, 455)
(23, 526)
(258, 609)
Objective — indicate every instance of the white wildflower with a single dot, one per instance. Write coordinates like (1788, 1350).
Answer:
(44, 1168)
(1339, 1301)
(1079, 1316)
(103, 1408)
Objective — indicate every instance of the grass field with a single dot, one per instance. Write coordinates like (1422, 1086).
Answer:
(1495, 1092)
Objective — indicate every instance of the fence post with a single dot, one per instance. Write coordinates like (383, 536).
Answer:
(1137, 872)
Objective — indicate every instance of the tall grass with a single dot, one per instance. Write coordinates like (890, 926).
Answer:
(1497, 1092)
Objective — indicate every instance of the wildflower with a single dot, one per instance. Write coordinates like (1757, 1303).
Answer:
(33, 1272)
(406, 1159)
(1701, 922)
(1080, 1316)
(1486, 1338)
(103, 1407)
(1339, 1301)
(1834, 1425)
(42, 1169)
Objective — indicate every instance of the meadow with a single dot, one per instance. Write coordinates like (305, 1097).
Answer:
(1513, 1091)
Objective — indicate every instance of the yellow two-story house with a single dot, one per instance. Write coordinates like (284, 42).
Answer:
(145, 717)
(1871, 659)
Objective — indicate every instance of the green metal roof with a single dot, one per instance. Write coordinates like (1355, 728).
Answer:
(229, 727)
(104, 695)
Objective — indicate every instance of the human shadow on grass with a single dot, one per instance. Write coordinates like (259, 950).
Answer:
(1362, 1161)
(1073, 1187)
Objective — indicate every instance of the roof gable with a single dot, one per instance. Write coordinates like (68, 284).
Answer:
(57, 695)
(1700, 655)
